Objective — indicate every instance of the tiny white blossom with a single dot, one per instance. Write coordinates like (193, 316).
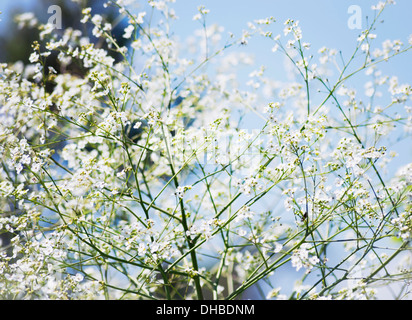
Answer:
(128, 31)
(34, 57)
(78, 277)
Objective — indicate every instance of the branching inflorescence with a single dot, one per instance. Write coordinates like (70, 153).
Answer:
(145, 178)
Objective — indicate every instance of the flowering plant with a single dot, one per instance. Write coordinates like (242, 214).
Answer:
(161, 176)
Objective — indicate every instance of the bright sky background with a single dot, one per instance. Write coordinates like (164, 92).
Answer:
(323, 22)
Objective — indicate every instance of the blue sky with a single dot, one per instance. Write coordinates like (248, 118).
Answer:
(324, 22)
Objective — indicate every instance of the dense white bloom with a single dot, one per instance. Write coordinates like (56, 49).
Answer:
(34, 57)
(303, 258)
(164, 173)
(180, 191)
(128, 31)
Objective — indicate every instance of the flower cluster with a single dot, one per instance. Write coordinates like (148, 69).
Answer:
(149, 176)
(304, 257)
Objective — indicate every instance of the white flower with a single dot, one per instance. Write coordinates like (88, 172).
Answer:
(128, 31)
(121, 174)
(141, 249)
(140, 16)
(197, 16)
(273, 293)
(365, 47)
(97, 19)
(154, 247)
(313, 260)
(303, 258)
(78, 277)
(34, 57)
(19, 168)
(86, 14)
(48, 28)
(244, 213)
(247, 185)
(203, 10)
(180, 191)
(278, 247)
(275, 48)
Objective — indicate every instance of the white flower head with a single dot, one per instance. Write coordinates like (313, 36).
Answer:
(180, 191)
